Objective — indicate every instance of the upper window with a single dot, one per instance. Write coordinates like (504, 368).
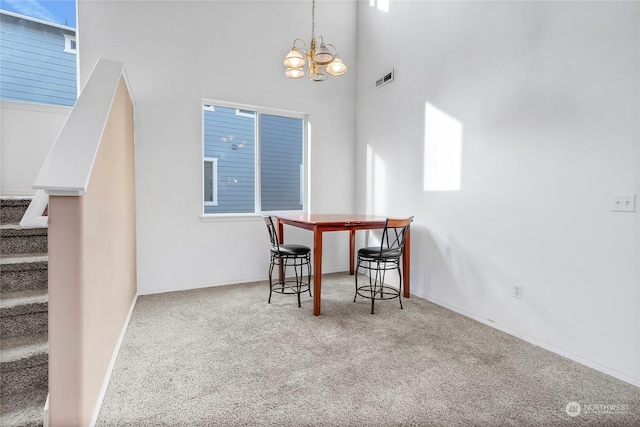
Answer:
(253, 160)
(70, 43)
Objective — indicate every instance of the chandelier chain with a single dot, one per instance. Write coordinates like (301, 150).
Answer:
(313, 19)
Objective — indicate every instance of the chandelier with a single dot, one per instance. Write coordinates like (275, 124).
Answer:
(319, 59)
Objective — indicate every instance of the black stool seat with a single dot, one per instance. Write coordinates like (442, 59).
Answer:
(291, 249)
(375, 253)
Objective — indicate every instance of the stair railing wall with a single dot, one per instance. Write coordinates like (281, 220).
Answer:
(89, 177)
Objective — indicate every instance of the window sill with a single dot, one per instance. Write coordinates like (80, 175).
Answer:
(230, 218)
(243, 217)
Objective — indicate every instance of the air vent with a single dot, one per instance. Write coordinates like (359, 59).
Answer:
(387, 78)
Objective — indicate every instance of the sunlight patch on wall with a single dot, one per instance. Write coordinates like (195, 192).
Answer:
(380, 170)
(376, 177)
(442, 151)
(382, 5)
(369, 175)
(307, 193)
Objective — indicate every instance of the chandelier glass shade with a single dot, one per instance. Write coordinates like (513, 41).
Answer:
(320, 59)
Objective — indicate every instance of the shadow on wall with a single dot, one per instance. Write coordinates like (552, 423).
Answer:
(430, 269)
(443, 270)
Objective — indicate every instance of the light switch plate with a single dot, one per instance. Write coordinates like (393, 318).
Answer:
(623, 203)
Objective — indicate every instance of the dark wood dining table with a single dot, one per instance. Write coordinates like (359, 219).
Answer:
(320, 223)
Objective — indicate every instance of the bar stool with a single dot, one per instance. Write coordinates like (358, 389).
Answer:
(379, 259)
(285, 256)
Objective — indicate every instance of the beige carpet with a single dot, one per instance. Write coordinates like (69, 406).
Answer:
(224, 357)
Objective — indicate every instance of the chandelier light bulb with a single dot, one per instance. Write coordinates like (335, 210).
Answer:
(323, 55)
(336, 67)
(319, 75)
(294, 73)
(294, 59)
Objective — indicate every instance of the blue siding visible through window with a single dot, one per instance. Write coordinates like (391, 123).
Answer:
(231, 139)
(33, 64)
(230, 164)
(280, 159)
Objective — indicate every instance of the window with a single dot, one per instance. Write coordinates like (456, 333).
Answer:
(69, 43)
(253, 160)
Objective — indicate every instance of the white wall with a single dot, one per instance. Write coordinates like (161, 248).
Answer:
(547, 97)
(178, 52)
(27, 132)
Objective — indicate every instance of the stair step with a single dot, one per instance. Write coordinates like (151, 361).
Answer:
(23, 409)
(17, 240)
(24, 364)
(22, 272)
(18, 303)
(23, 313)
(12, 209)
(23, 351)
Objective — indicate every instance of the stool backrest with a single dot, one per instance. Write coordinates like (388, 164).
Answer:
(273, 234)
(394, 234)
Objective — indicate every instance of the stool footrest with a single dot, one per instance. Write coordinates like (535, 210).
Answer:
(290, 287)
(383, 292)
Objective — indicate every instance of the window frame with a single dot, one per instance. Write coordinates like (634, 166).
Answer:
(258, 110)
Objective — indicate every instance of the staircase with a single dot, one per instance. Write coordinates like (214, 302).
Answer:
(23, 318)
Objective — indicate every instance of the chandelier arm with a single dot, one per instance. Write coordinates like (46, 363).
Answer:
(304, 45)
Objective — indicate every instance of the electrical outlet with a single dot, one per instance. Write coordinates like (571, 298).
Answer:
(517, 291)
(623, 203)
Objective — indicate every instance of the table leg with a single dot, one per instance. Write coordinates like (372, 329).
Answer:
(352, 249)
(280, 232)
(317, 270)
(406, 264)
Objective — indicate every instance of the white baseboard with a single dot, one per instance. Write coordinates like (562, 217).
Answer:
(112, 363)
(45, 413)
(576, 358)
(10, 195)
(196, 286)
(212, 285)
